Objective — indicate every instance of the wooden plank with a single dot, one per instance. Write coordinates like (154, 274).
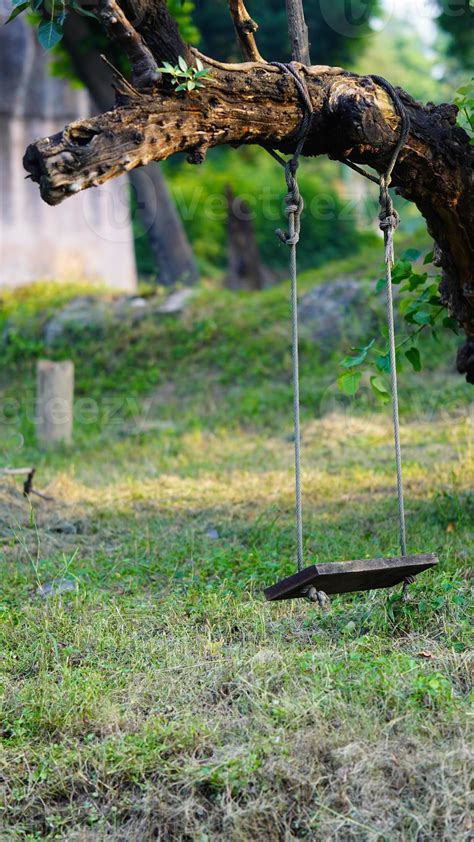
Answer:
(347, 576)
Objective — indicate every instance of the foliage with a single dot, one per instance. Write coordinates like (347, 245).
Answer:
(419, 306)
(50, 16)
(396, 53)
(328, 227)
(457, 19)
(183, 77)
(465, 101)
(228, 357)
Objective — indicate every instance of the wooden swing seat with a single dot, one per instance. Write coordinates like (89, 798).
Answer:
(346, 576)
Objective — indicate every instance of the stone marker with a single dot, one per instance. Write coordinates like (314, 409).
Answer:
(55, 396)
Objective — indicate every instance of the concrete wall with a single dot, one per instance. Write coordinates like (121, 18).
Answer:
(89, 236)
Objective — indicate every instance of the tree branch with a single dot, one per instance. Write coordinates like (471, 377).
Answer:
(158, 28)
(298, 31)
(120, 30)
(245, 28)
(254, 103)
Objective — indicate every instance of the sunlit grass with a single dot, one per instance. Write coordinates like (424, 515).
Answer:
(160, 697)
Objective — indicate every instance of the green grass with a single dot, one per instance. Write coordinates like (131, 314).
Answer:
(162, 698)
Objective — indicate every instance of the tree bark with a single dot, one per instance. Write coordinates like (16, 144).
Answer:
(166, 235)
(245, 269)
(298, 31)
(254, 103)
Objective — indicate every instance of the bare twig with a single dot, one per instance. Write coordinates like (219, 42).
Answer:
(245, 28)
(122, 85)
(120, 30)
(298, 31)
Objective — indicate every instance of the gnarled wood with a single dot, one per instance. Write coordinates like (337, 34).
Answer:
(254, 103)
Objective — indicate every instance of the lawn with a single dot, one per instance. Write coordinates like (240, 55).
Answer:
(148, 691)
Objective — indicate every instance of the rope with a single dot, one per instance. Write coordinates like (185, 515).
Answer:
(294, 205)
(389, 221)
(402, 139)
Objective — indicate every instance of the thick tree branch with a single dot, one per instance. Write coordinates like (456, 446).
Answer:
(245, 29)
(120, 30)
(254, 103)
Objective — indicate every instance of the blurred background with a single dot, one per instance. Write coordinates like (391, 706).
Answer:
(173, 266)
(169, 223)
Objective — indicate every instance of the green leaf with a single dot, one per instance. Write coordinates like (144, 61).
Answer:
(199, 65)
(379, 389)
(401, 271)
(50, 33)
(358, 359)
(411, 254)
(349, 382)
(383, 362)
(381, 284)
(428, 258)
(413, 357)
(182, 63)
(406, 305)
(415, 281)
(451, 324)
(19, 8)
(181, 87)
(422, 317)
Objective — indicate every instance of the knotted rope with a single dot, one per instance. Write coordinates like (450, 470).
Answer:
(294, 206)
(388, 221)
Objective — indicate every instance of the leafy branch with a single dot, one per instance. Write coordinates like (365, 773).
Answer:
(421, 309)
(53, 15)
(464, 100)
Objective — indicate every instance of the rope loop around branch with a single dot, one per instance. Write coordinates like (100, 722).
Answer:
(294, 203)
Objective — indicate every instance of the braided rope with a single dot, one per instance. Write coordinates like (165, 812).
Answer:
(389, 221)
(294, 206)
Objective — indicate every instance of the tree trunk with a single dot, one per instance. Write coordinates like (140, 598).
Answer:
(245, 269)
(255, 103)
(167, 237)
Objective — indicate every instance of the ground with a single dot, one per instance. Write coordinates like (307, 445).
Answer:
(148, 690)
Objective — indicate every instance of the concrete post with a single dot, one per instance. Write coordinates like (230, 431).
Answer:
(55, 396)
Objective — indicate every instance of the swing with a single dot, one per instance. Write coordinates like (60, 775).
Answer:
(313, 582)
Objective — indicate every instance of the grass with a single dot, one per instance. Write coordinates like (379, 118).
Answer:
(160, 697)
